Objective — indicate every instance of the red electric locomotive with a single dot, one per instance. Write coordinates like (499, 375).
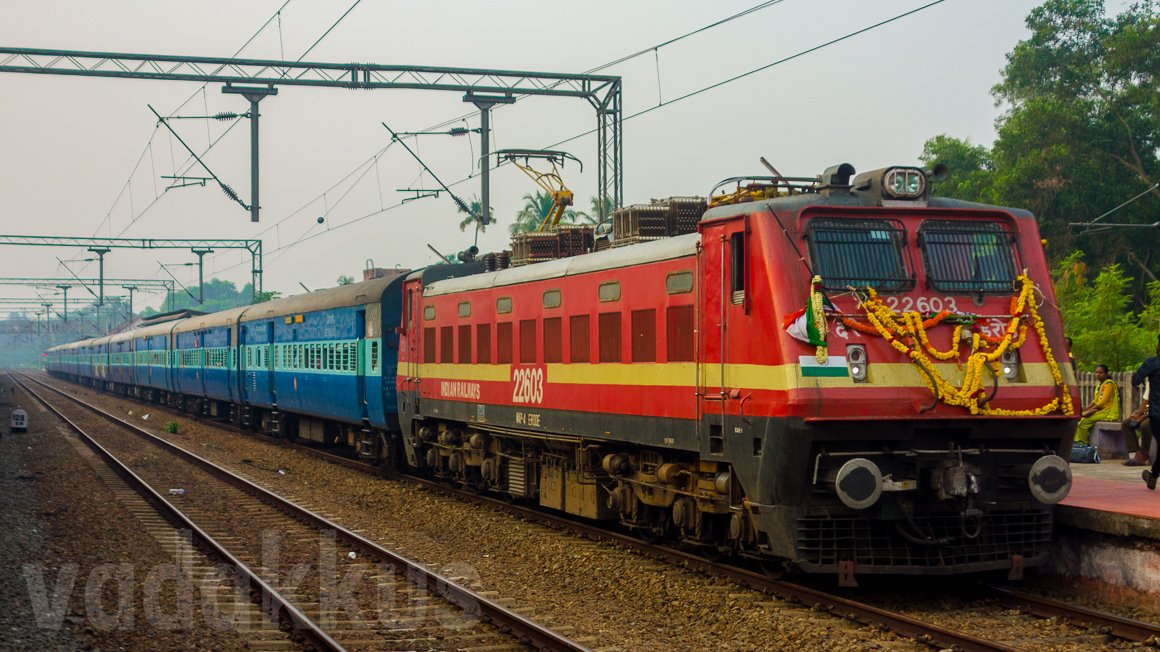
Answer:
(835, 374)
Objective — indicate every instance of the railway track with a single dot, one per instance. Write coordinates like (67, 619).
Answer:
(937, 636)
(330, 587)
(934, 635)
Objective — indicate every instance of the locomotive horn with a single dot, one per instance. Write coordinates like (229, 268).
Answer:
(938, 173)
(837, 175)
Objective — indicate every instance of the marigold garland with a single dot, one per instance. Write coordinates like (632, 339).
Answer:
(818, 311)
(907, 333)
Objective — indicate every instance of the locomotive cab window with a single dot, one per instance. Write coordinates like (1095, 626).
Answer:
(964, 256)
(859, 253)
(737, 267)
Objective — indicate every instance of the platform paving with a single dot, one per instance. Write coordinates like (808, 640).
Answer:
(1112, 498)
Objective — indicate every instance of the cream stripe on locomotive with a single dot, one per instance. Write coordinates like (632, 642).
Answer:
(761, 377)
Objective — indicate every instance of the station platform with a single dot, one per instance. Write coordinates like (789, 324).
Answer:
(1111, 498)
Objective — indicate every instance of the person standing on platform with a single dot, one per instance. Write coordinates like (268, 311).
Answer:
(1104, 407)
(1150, 371)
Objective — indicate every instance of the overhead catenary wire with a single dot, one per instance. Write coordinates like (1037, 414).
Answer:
(681, 98)
(192, 95)
(277, 17)
(464, 117)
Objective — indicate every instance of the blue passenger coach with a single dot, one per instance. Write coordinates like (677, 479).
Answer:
(319, 366)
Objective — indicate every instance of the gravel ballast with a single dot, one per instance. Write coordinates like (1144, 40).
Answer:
(63, 531)
(595, 592)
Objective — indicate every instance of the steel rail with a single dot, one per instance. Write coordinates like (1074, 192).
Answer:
(926, 633)
(473, 604)
(265, 594)
(1118, 626)
(1111, 624)
(923, 632)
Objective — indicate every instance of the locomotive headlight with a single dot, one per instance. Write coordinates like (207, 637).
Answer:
(904, 183)
(856, 357)
(1049, 479)
(1010, 362)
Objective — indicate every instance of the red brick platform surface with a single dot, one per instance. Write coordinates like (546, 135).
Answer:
(1112, 498)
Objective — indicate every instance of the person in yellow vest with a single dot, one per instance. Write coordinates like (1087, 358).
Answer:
(1104, 407)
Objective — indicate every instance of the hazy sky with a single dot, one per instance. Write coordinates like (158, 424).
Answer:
(84, 157)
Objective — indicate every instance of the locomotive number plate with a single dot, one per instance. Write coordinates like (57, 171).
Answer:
(528, 385)
(922, 304)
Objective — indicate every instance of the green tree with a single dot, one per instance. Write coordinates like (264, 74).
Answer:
(594, 205)
(969, 168)
(1080, 132)
(473, 218)
(1097, 315)
(535, 211)
(345, 280)
(219, 295)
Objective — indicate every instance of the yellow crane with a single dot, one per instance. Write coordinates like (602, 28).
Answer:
(550, 182)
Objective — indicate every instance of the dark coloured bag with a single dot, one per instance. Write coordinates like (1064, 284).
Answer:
(1084, 454)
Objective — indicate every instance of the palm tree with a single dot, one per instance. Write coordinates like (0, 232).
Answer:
(470, 219)
(474, 218)
(595, 208)
(535, 211)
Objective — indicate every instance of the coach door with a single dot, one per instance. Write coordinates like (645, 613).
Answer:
(411, 346)
(724, 276)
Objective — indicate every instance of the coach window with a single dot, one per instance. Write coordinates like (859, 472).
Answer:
(503, 343)
(483, 343)
(464, 308)
(528, 341)
(503, 305)
(609, 291)
(465, 344)
(428, 313)
(644, 336)
(552, 299)
(428, 345)
(446, 345)
(679, 333)
(679, 282)
(553, 340)
(608, 327)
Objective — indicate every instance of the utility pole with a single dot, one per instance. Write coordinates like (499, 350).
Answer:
(200, 271)
(47, 317)
(254, 94)
(65, 288)
(484, 104)
(131, 289)
(100, 252)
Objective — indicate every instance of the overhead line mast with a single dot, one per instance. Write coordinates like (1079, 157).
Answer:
(105, 244)
(602, 92)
